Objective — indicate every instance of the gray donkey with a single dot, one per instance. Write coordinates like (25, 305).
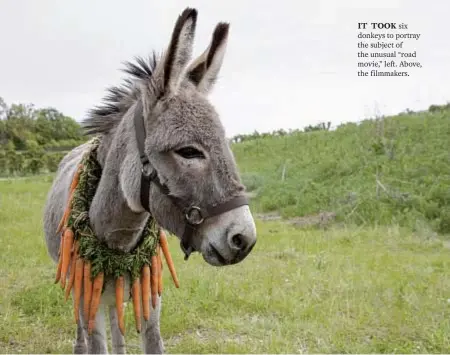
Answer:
(164, 155)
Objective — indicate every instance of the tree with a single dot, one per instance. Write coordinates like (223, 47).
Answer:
(15, 162)
(21, 123)
(53, 161)
(322, 126)
(3, 162)
(53, 125)
(34, 157)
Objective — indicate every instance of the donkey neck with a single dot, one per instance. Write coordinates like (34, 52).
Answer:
(115, 214)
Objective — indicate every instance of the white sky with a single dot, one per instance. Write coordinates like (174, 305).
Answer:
(288, 63)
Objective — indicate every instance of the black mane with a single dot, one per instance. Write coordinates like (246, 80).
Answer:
(103, 118)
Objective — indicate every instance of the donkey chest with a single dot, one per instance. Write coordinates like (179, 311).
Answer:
(109, 292)
(123, 239)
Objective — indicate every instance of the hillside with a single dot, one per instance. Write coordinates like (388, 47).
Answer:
(390, 170)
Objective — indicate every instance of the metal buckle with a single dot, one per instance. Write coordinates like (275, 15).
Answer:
(145, 170)
(191, 218)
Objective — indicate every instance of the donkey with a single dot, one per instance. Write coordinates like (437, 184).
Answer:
(164, 155)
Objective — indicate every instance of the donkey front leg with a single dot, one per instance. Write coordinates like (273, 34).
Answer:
(80, 346)
(96, 342)
(118, 340)
(151, 336)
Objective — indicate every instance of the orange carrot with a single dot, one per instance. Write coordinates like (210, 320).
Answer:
(136, 303)
(77, 287)
(97, 287)
(72, 270)
(145, 288)
(65, 217)
(168, 257)
(87, 285)
(154, 281)
(119, 303)
(68, 208)
(61, 223)
(76, 178)
(160, 274)
(58, 270)
(68, 243)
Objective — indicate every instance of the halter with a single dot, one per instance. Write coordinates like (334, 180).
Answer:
(194, 216)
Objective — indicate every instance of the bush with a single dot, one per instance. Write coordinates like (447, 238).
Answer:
(252, 181)
(15, 162)
(35, 165)
(444, 221)
(3, 163)
(53, 160)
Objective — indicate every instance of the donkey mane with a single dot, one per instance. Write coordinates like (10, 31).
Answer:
(102, 119)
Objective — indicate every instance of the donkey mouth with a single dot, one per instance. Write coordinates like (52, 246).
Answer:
(217, 255)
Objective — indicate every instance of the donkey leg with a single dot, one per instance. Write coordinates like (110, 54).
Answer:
(151, 336)
(96, 342)
(118, 340)
(79, 346)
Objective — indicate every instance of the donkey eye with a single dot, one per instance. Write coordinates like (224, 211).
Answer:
(190, 153)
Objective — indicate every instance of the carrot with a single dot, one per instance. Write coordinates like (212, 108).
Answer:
(145, 288)
(77, 287)
(58, 270)
(76, 178)
(119, 303)
(154, 281)
(61, 223)
(68, 208)
(87, 285)
(136, 303)
(168, 257)
(160, 275)
(72, 270)
(68, 243)
(97, 287)
(66, 213)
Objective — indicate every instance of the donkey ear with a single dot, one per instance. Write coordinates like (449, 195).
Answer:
(204, 70)
(179, 51)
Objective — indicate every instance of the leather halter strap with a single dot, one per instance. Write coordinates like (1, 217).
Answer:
(194, 216)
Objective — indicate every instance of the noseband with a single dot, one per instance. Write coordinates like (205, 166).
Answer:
(194, 216)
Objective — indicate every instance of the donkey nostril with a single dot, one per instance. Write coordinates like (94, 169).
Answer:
(238, 241)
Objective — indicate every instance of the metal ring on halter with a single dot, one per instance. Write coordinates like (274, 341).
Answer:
(189, 217)
(144, 170)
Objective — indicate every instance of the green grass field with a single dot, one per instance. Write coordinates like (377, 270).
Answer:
(392, 171)
(343, 289)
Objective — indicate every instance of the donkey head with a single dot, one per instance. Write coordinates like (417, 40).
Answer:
(187, 152)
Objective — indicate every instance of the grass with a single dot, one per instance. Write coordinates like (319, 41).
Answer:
(392, 171)
(379, 289)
